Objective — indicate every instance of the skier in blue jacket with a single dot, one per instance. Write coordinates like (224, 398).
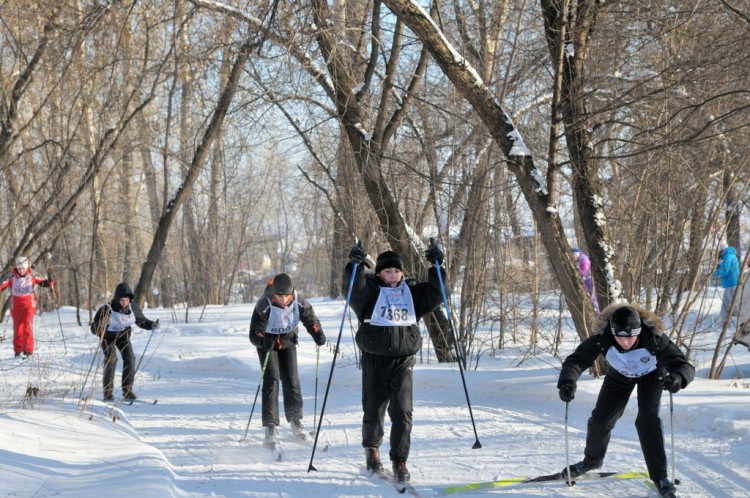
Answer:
(728, 274)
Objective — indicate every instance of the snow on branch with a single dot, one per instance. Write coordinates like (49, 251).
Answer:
(366, 135)
(227, 9)
(518, 148)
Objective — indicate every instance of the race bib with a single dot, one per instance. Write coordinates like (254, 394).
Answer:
(22, 286)
(120, 321)
(282, 320)
(394, 307)
(632, 364)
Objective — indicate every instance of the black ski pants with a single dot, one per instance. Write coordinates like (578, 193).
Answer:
(281, 367)
(110, 345)
(387, 383)
(613, 397)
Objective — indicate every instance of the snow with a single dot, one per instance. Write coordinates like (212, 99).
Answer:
(366, 136)
(537, 176)
(205, 374)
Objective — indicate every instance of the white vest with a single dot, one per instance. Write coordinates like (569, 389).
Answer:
(22, 286)
(394, 307)
(120, 321)
(632, 364)
(282, 320)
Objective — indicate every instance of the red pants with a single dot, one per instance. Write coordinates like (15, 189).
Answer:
(23, 331)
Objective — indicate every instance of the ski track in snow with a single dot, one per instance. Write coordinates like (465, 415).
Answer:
(205, 377)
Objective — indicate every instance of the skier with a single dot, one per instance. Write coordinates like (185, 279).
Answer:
(113, 324)
(23, 304)
(728, 274)
(638, 354)
(584, 268)
(274, 332)
(388, 308)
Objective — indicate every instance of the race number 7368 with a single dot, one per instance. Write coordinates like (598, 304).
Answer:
(394, 314)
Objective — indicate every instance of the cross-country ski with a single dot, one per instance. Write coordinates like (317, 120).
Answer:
(520, 482)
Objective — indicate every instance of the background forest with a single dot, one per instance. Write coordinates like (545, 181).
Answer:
(198, 147)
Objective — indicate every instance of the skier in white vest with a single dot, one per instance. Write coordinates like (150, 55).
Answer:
(274, 332)
(638, 354)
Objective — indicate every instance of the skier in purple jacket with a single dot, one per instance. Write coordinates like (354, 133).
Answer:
(584, 266)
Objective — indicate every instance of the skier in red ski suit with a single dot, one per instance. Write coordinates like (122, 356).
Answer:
(23, 304)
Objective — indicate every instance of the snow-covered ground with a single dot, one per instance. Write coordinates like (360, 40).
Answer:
(205, 374)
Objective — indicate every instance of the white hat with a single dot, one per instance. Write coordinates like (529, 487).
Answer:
(22, 262)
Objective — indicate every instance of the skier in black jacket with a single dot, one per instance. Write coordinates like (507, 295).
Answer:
(274, 332)
(113, 324)
(388, 308)
(638, 354)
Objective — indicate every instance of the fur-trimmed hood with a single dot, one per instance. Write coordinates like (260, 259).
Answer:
(669, 358)
(648, 319)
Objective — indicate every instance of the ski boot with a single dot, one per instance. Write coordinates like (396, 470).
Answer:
(298, 430)
(372, 459)
(271, 440)
(577, 469)
(400, 471)
(666, 488)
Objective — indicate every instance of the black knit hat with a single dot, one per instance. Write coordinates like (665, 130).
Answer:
(389, 259)
(625, 322)
(282, 284)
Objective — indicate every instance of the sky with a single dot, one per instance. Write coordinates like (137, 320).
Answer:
(204, 374)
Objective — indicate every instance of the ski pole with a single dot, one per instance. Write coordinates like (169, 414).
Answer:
(333, 364)
(100, 336)
(477, 444)
(567, 453)
(671, 430)
(86, 378)
(260, 383)
(144, 352)
(315, 406)
(57, 308)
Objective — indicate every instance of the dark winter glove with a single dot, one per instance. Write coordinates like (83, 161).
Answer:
(358, 255)
(568, 392)
(673, 383)
(434, 255)
(319, 337)
(268, 342)
(156, 325)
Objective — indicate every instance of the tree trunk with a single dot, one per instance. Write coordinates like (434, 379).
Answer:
(196, 166)
(520, 163)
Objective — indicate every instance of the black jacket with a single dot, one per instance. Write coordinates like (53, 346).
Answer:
(389, 341)
(669, 358)
(289, 340)
(101, 319)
